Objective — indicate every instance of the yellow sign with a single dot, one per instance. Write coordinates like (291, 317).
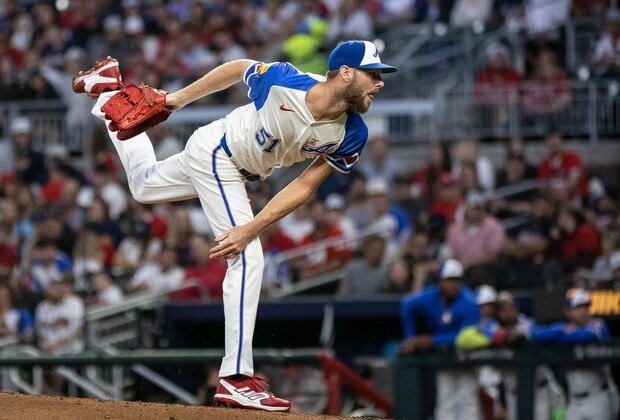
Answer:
(605, 302)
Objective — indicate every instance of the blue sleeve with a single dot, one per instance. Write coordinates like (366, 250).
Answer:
(348, 154)
(596, 331)
(444, 339)
(409, 308)
(548, 333)
(261, 77)
(26, 324)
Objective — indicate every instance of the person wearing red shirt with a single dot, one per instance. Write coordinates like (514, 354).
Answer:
(498, 79)
(579, 243)
(426, 180)
(549, 90)
(208, 273)
(561, 163)
(326, 259)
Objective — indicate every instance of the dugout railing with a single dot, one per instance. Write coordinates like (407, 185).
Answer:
(412, 372)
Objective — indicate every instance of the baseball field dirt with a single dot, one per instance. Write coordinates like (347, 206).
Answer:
(35, 407)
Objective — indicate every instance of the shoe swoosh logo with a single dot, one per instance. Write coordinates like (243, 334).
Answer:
(283, 108)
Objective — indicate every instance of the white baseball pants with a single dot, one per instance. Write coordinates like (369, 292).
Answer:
(204, 170)
(457, 395)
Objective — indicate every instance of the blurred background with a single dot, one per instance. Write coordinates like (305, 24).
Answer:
(495, 145)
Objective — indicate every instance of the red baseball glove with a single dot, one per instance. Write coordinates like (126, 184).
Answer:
(135, 109)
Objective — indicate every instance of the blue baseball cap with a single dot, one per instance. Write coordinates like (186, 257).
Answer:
(358, 55)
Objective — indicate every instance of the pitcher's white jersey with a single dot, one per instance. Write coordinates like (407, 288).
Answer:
(277, 129)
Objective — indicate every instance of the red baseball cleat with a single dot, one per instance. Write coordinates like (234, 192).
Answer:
(248, 392)
(104, 76)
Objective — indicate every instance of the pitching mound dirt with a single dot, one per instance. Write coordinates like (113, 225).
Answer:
(35, 407)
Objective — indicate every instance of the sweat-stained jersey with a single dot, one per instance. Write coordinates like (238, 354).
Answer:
(277, 129)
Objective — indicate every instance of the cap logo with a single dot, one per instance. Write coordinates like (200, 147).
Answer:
(376, 54)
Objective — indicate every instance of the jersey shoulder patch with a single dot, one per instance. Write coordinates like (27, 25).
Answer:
(261, 77)
(355, 137)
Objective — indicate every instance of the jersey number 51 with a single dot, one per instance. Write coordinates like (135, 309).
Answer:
(266, 141)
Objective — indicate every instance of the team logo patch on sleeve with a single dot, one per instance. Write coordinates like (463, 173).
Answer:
(262, 68)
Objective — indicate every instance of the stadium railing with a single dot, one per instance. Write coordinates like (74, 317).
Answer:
(410, 372)
(337, 374)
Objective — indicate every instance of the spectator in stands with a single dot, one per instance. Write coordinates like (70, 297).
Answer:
(606, 57)
(444, 310)
(496, 88)
(14, 322)
(559, 162)
(180, 233)
(468, 152)
(335, 207)
(527, 247)
(138, 246)
(275, 241)
(304, 49)
(106, 185)
(426, 180)
(403, 198)
(602, 274)
(107, 292)
(48, 265)
(159, 275)
(387, 220)
(469, 12)
(26, 162)
(515, 171)
(98, 220)
(379, 165)
(468, 179)
(350, 21)
(59, 319)
(58, 327)
(590, 390)
(88, 258)
(53, 227)
(578, 241)
(547, 92)
(61, 79)
(325, 259)
(400, 277)
(417, 253)
(366, 276)
(206, 272)
(477, 241)
(111, 42)
(357, 208)
(165, 145)
(433, 10)
(444, 206)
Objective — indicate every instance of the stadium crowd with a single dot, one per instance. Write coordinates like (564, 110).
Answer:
(72, 237)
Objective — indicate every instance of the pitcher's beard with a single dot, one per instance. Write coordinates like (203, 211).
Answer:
(355, 98)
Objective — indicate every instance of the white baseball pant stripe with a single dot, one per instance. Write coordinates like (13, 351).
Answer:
(204, 170)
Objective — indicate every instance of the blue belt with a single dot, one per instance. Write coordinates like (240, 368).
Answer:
(246, 174)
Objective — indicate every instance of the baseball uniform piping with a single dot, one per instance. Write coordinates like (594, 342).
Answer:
(243, 263)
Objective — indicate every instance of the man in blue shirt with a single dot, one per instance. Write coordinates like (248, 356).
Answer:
(591, 392)
(444, 310)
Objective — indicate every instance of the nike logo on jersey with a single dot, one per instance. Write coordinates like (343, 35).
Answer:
(283, 108)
